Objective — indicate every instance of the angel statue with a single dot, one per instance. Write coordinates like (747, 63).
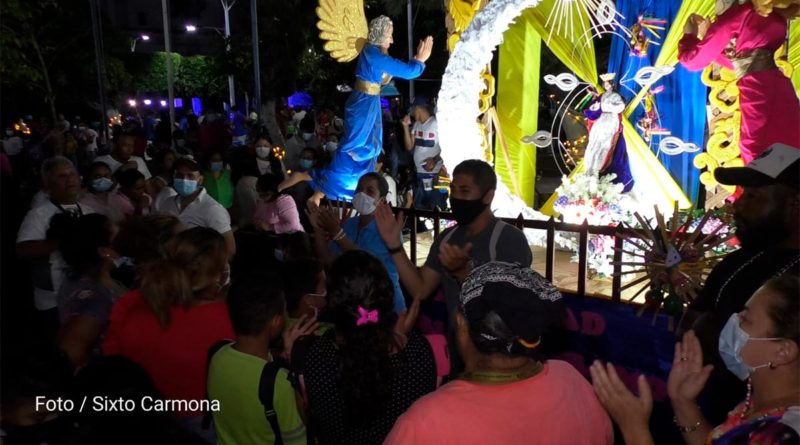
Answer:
(344, 27)
(606, 152)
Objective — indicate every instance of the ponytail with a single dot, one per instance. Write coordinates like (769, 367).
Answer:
(359, 282)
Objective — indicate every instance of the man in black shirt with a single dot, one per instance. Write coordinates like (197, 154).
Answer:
(767, 217)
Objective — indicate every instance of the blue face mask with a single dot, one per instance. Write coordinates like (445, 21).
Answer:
(185, 187)
(216, 167)
(102, 184)
(731, 342)
(307, 136)
(306, 164)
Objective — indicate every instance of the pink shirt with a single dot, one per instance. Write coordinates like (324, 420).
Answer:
(557, 406)
(280, 213)
(767, 100)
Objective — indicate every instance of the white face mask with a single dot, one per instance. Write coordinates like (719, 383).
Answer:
(731, 341)
(364, 204)
(262, 151)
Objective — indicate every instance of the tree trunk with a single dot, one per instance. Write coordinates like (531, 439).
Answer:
(271, 121)
(50, 96)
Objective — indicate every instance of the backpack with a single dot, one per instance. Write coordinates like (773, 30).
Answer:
(266, 391)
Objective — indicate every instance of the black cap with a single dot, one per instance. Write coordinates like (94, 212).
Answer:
(524, 301)
(779, 164)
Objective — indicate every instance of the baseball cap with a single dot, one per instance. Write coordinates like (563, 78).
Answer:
(509, 307)
(779, 164)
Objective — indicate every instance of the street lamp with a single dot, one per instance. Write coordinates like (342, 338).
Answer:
(226, 7)
(143, 37)
(132, 102)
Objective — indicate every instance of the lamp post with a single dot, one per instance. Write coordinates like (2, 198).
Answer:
(410, 25)
(143, 37)
(170, 74)
(226, 7)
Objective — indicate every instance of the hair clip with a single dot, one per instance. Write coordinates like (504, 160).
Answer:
(529, 345)
(366, 316)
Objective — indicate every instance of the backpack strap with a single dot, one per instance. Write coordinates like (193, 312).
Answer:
(207, 416)
(266, 393)
(498, 229)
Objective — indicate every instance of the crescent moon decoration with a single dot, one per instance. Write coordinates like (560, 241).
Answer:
(541, 139)
(564, 81)
(672, 146)
(649, 75)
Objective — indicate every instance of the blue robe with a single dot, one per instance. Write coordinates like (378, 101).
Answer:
(363, 126)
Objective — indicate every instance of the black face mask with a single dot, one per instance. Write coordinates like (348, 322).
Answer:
(466, 210)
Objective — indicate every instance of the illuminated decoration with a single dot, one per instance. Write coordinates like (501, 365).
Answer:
(145, 37)
(132, 102)
(541, 138)
(300, 99)
(672, 146)
(279, 153)
(197, 106)
(22, 127)
(343, 27)
(565, 81)
(722, 148)
(114, 120)
(649, 75)
(600, 13)
(163, 103)
(148, 102)
(643, 34)
(178, 102)
(191, 28)
(675, 258)
(650, 124)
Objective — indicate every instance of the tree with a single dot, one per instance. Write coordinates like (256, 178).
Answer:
(40, 41)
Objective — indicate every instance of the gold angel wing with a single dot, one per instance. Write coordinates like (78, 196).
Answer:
(343, 27)
(463, 11)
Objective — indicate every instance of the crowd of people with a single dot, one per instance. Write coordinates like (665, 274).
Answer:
(194, 277)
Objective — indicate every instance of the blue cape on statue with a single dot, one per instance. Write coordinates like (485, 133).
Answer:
(363, 124)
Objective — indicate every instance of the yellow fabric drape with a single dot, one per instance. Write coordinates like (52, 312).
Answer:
(518, 104)
(580, 60)
(668, 56)
(794, 52)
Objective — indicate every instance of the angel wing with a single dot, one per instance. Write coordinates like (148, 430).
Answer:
(343, 27)
(463, 11)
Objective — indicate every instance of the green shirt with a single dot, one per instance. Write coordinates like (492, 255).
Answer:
(233, 379)
(221, 189)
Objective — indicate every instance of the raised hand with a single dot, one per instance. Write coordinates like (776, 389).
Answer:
(424, 49)
(406, 121)
(389, 226)
(454, 258)
(688, 375)
(305, 326)
(313, 211)
(406, 321)
(630, 412)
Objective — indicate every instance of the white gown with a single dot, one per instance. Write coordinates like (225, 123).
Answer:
(601, 136)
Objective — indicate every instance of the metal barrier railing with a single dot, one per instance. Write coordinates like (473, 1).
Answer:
(551, 226)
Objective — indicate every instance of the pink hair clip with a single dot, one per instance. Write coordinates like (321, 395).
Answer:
(366, 316)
